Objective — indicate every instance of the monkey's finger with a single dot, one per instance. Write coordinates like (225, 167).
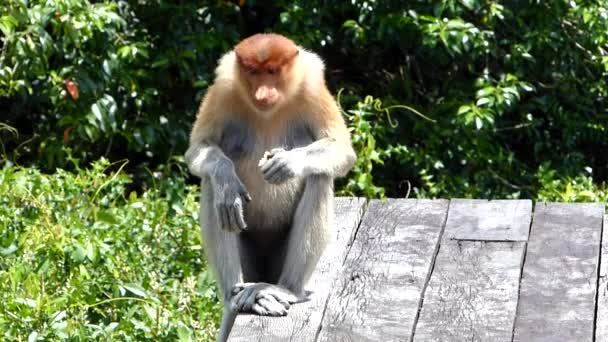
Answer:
(238, 212)
(274, 168)
(232, 217)
(280, 176)
(220, 215)
(225, 220)
(272, 164)
(246, 196)
(267, 165)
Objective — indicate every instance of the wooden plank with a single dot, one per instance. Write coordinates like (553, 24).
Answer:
(472, 295)
(303, 319)
(601, 331)
(557, 300)
(497, 220)
(378, 295)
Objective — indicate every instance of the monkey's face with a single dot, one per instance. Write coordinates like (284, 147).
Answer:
(265, 87)
(266, 62)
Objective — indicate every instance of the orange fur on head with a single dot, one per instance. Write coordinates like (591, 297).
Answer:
(267, 51)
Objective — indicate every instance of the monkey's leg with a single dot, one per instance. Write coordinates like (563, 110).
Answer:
(310, 232)
(222, 251)
(306, 241)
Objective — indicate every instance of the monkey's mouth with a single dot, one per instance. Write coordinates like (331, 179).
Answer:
(265, 106)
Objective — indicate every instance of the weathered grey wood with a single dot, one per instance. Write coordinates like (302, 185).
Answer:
(303, 320)
(378, 295)
(497, 220)
(557, 298)
(472, 295)
(601, 330)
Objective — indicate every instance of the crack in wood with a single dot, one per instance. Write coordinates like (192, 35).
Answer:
(429, 274)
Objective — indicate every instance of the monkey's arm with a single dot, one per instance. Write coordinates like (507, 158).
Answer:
(330, 155)
(324, 157)
(207, 160)
(327, 156)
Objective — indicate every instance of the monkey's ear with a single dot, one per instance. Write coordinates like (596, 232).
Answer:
(239, 58)
(291, 55)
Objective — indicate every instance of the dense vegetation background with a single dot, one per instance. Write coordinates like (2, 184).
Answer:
(486, 99)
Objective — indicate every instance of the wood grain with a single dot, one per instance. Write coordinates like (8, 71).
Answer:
(472, 295)
(378, 294)
(473, 291)
(558, 288)
(303, 319)
(497, 220)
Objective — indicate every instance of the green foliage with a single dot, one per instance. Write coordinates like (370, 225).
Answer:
(83, 258)
(509, 86)
(92, 77)
(580, 188)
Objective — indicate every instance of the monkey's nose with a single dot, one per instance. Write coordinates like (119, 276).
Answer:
(266, 95)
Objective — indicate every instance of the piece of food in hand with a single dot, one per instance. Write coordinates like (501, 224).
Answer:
(267, 155)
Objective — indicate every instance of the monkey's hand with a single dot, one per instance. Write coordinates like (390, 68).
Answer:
(280, 165)
(228, 195)
(262, 299)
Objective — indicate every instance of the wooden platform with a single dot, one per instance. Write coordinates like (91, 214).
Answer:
(459, 270)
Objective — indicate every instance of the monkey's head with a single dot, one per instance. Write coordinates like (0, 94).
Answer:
(266, 64)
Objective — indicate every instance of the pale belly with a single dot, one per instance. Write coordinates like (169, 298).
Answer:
(272, 205)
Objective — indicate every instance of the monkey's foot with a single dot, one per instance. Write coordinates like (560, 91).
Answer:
(262, 299)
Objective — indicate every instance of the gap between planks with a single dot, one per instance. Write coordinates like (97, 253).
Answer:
(351, 242)
(521, 271)
(429, 273)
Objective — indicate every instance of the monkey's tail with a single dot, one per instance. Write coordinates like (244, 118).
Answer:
(228, 319)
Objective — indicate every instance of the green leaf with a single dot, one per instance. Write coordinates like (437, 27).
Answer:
(484, 92)
(78, 253)
(463, 109)
(8, 24)
(91, 252)
(8, 250)
(160, 62)
(107, 217)
(26, 301)
(111, 327)
(137, 205)
(33, 336)
(136, 289)
(184, 333)
(483, 101)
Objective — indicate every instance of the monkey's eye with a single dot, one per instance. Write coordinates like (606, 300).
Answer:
(272, 71)
(252, 71)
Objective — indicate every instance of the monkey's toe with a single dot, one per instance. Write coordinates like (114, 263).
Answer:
(267, 306)
(261, 299)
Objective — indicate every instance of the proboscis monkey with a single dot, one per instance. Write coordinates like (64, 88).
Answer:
(267, 143)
